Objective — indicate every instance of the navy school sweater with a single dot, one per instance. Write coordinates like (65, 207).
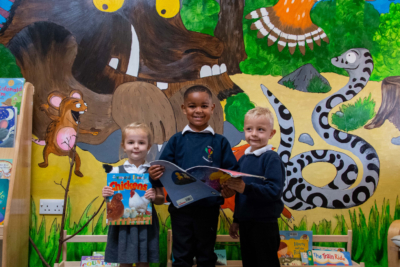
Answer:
(261, 200)
(194, 149)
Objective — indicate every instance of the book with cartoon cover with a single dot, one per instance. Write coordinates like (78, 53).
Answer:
(8, 123)
(325, 257)
(4, 184)
(11, 92)
(128, 206)
(193, 184)
(293, 243)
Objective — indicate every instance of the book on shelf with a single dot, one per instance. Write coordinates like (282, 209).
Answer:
(8, 124)
(11, 92)
(326, 257)
(4, 184)
(293, 243)
(288, 261)
(128, 206)
(96, 261)
(329, 248)
(221, 254)
(5, 168)
(307, 258)
(199, 182)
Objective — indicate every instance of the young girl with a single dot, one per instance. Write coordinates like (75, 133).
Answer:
(128, 244)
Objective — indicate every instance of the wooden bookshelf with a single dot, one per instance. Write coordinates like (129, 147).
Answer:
(15, 231)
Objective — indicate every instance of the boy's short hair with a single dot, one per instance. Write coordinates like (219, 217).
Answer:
(197, 88)
(261, 112)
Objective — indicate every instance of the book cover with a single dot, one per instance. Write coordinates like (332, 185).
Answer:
(128, 206)
(324, 257)
(4, 183)
(193, 184)
(8, 123)
(5, 168)
(11, 92)
(304, 258)
(221, 254)
(310, 257)
(329, 248)
(290, 261)
(95, 261)
(293, 243)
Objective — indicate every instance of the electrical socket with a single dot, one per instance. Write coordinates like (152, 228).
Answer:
(51, 206)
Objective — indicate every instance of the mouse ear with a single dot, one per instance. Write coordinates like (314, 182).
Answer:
(76, 94)
(54, 99)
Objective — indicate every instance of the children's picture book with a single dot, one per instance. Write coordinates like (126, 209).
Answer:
(4, 183)
(324, 257)
(329, 248)
(95, 261)
(293, 243)
(221, 254)
(193, 184)
(8, 123)
(290, 261)
(128, 206)
(5, 168)
(304, 258)
(310, 257)
(11, 92)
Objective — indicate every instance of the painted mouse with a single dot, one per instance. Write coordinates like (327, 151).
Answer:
(61, 132)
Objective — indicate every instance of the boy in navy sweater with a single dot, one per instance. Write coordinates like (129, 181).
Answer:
(194, 226)
(258, 203)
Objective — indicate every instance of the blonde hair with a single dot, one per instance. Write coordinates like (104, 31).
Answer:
(261, 112)
(136, 126)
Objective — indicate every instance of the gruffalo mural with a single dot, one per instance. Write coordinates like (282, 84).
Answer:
(329, 70)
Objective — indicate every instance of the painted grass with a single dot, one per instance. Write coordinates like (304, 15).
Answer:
(369, 234)
(353, 116)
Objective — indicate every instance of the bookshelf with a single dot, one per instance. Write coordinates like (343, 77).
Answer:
(15, 231)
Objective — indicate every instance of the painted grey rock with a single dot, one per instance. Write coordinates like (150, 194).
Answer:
(396, 141)
(306, 138)
(106, 152)
(301, 77)
(339, 114)
(232, 134)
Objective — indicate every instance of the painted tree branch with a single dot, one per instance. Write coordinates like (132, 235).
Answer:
(38, 252)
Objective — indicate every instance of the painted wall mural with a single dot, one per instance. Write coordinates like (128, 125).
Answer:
(107, 63)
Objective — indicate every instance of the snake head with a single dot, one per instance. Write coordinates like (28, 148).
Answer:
(351, 59)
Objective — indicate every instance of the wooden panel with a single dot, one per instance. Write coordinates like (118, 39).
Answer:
(87, 238)
(226, 238)
(16, 223)
(330, 238)
(393, 250)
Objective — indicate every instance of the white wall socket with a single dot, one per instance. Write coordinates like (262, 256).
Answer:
(51, 206)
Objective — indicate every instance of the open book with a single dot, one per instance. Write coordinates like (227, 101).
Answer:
(187, 186)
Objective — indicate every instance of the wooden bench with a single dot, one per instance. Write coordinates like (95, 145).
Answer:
(226, 238)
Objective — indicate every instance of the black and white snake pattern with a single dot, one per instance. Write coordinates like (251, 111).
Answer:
(298, 193)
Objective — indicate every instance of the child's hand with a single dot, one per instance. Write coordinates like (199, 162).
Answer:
(226, 192)
(156, 171)
(234, 230)
(236, 184)
(150, 194)
(107, 191)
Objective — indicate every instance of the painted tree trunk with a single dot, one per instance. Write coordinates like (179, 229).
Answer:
(230, 31)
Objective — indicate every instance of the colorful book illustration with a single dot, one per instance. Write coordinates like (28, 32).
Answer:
(11, 92)
(95, 261)
(293, 243)
(329, 248)
(8, 123)
(304, 258)
(128, 206)
(324, 257)
(290, 261)
(4, 183)
(5, 168)
(193, 184)
(310, 257)
(221, 254)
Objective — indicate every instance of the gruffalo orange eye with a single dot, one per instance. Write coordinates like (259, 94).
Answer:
(108, 5)
(168, 8)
